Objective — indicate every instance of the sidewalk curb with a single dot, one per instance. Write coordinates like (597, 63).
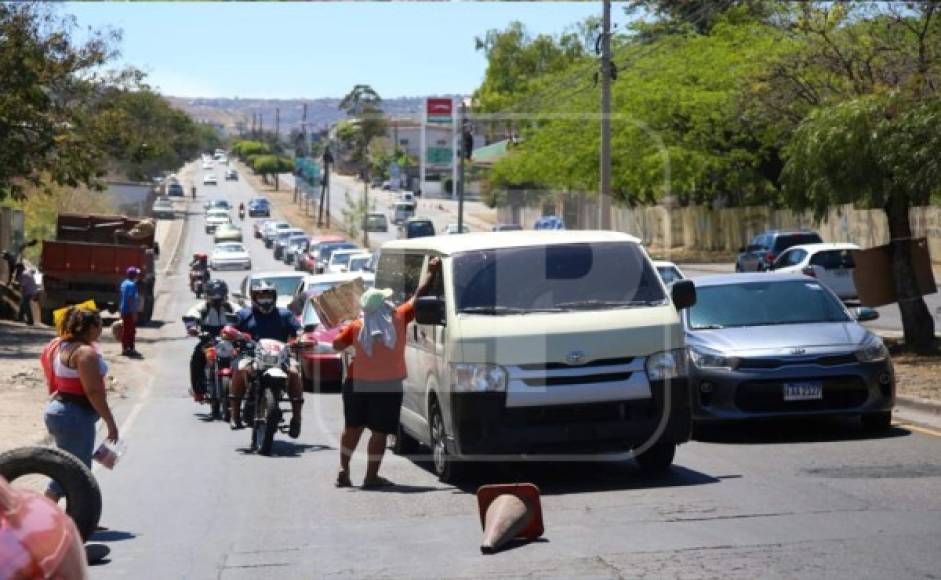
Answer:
(918, 404)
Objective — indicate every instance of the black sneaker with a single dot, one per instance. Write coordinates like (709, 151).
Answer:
(295, 429)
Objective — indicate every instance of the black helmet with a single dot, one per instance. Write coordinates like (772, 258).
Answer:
(217, 290)
(264, 297)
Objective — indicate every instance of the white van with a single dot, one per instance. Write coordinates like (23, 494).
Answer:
(540, 343)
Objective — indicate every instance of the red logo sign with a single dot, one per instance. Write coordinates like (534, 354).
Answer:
(438, 107)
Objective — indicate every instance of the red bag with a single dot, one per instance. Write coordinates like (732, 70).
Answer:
(45, 359)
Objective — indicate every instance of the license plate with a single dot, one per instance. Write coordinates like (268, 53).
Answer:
(806, 391)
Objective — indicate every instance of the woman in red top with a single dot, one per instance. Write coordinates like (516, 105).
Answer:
(372, 395)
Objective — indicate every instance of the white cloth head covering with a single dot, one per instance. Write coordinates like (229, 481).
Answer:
(378, 324)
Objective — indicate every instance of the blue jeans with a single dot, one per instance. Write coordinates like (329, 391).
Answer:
(73, 427)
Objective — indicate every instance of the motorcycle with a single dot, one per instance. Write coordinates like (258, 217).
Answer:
(241, 213)
(269, 361)
(219, 355)
(198, 280)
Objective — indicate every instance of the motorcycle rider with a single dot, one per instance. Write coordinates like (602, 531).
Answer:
(210, 317)
(263, 319)
(199, 265)
(242, 211)
(193, 191)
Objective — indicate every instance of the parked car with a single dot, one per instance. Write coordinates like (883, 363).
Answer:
(295, 246)
(271, 230)
(320, 283)
(325, 251)
(227, 233)
(175, 190)
(163, 208)
(418, 228)
(668, 271)
(210, 179)
(402, 211)
(783, 346)
(259, 228)
(832, 264)
(507, 228)
(215, 218)
(284, 282)
(377, 222)
(452, 229)
(340, 260)
(280, 240)
(308, 261)
(549, 222)
(231, 175)
(765, 248)
(230, 255)
(259, 207)
(535, 342)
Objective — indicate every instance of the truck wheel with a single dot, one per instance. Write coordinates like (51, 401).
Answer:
(46, 317)
(658, 458)
(147, 313)
(82, 494)
(446, 468)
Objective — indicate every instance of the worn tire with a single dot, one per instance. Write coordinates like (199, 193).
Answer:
(444, 465)
(267, 418)
(147, 313)
(82, 494)
(658, 458)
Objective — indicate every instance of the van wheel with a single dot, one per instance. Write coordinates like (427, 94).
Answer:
(404, 444)
(446, 468)
(658, 458)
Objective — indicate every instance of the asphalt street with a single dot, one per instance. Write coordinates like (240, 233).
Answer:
(788, 500)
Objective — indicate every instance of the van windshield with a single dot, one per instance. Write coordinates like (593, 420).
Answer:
(555, 278)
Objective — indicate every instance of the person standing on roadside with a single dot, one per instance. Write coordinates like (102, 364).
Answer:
(129, 305)
(75, 373)
(27, 281)
(372, 396)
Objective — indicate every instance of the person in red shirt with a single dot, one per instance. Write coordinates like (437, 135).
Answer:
(372, 394)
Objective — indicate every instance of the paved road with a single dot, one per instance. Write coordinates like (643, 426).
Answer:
(799, 500)
(889, 317)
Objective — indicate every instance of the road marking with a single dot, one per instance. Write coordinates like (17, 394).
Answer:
(923, 430)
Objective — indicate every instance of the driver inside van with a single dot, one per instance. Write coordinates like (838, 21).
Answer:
(372, 395)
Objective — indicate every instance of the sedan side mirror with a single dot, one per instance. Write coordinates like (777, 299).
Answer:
(865, 314)
(683, 294)
(430, 310)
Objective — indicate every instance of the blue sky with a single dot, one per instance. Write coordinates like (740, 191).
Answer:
(310, 50)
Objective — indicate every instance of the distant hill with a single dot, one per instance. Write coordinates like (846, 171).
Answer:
(321, 113)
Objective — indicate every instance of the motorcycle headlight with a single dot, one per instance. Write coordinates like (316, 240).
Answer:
(477, 378)
(668, 364)
(705, 359)
(872, 350)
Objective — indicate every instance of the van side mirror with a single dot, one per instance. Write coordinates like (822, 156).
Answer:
(683, 293)
(430, 310)
(865, 314)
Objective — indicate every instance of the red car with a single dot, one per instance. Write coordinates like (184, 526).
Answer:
(308, 261)
(321, 366)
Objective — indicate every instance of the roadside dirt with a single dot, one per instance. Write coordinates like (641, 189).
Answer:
(918, 376)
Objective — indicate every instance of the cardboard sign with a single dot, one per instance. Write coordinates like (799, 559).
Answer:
(875, 277)
(340, 303)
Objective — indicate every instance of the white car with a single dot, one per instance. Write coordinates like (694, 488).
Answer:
(215, 218)
(452, 229)
(323, 282)
(831, 263)
(210, 179)
(340, 260)
(359, 263)
(230, 255)
(207, 164)
(668, 271)
(284, 282)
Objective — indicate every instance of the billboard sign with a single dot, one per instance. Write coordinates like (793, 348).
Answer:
(438, 110)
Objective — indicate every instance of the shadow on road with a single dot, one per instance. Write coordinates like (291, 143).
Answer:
(288, 449)
(112, 536)
(808, 430)
(18, 340)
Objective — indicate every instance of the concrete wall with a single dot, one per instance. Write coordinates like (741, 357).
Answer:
(728, 229)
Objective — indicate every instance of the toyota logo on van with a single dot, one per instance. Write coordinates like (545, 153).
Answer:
(576, 357)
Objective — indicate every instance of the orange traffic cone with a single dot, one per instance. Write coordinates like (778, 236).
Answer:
(508, 512)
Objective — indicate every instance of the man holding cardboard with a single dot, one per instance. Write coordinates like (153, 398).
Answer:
(372, 395)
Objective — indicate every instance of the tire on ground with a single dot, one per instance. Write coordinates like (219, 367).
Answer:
(82, 494)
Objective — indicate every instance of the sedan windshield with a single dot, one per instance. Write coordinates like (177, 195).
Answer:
(284, 285)
(230, 248)
(764, 304)
(555, 278)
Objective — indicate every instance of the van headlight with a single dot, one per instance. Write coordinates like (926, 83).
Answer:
(669, 364)
(477, 378)
(706, 359)
(872, 350)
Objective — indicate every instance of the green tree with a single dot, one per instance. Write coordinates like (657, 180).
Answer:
(266, 165)
(245, 149)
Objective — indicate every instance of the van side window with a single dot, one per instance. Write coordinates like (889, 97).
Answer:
(401, 273)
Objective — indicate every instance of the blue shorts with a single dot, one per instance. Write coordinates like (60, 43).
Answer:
(72, 426)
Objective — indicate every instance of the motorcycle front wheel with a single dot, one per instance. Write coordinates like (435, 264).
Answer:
(267, 418)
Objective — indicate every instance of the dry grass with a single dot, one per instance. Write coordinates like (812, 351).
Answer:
(918, 376)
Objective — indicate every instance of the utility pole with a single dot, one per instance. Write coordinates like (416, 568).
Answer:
(254, 120)
(463, 152)
(604, 197)
(277, 124)
(261, 125)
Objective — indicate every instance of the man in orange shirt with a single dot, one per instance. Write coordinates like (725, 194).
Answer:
(372, 395)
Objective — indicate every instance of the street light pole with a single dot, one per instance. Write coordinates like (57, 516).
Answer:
(460, 171)
(604, 197)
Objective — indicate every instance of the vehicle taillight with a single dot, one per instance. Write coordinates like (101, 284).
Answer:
(770, 257)
(809, 271)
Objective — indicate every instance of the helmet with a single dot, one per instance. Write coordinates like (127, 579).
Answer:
(201, 256)
(263, 297)
(217, 290)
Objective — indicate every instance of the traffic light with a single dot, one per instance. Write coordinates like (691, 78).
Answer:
(467, 144)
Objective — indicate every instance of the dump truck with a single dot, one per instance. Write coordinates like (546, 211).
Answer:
(89, 259)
